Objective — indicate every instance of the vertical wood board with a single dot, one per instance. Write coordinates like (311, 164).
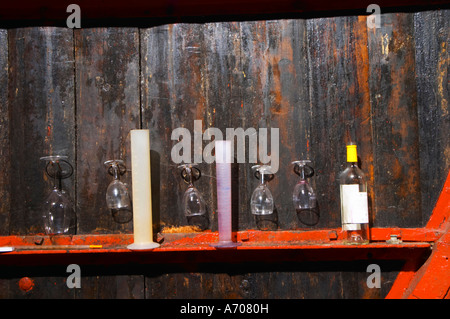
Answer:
(340, 106)
(432, 39)
(395, 124)
(41, 112)
(5, 161)
(107, 77)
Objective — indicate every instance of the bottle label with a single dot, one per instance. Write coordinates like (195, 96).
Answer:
(354, 205)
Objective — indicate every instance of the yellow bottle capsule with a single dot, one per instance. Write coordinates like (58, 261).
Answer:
(352, 154)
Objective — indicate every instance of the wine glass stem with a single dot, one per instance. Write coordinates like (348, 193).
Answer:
(115, 171)
(57, 179)
(60, 183)
(189, 174)
(302, 172)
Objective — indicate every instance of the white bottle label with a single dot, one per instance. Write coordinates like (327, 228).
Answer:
(354, 206)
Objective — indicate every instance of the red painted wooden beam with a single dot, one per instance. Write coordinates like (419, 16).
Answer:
(260, 246)
(432, 279)
(250, 239)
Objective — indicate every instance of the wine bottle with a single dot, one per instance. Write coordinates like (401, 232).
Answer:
(354, 202)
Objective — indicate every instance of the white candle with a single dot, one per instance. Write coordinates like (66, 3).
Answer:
(223, 177)
(141, 190)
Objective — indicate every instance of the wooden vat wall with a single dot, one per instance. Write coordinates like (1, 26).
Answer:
(322, 82)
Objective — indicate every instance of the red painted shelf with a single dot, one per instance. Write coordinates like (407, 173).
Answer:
(298, 245)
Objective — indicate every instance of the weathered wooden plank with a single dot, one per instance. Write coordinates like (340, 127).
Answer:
(361, 110)
(340, 108)
(269, 281)
(173, 96)
(204, 281)
(5, 288)
(107, 78)
(222, 81)
(275, 96)
(96, 285)
(156, 107)
(5, 161)
(395, 123)
(41, 110)
(50, 282)
(431, 36)
(41, 283)
(41, 103)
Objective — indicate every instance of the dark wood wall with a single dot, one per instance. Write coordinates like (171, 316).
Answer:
(321, 81)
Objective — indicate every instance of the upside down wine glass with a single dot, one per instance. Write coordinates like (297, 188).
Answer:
(261, 202)
(117, 195)
(304, 198)
(193, 202)
(58, 212)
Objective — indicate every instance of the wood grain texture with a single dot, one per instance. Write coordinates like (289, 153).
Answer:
(5, 161)
(395, 124)
(42, 122)
(50, 282)
(275, 96)
(222, 83)
(172, 66)
(340, 105)
(432, 40)
(268, 281)
(107, 78)
(189, 73)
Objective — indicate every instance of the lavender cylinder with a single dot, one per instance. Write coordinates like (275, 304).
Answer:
(223, 176)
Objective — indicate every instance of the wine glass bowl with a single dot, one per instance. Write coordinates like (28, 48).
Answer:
(304, 197)
(193, 202)
(261, 201)
(117, 195)
(58, 212)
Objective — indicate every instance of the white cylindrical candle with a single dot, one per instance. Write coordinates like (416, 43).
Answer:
(141, 190)
(223, 177)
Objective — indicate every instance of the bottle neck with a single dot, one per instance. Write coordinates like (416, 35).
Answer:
(352, 164)
(352, 174)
